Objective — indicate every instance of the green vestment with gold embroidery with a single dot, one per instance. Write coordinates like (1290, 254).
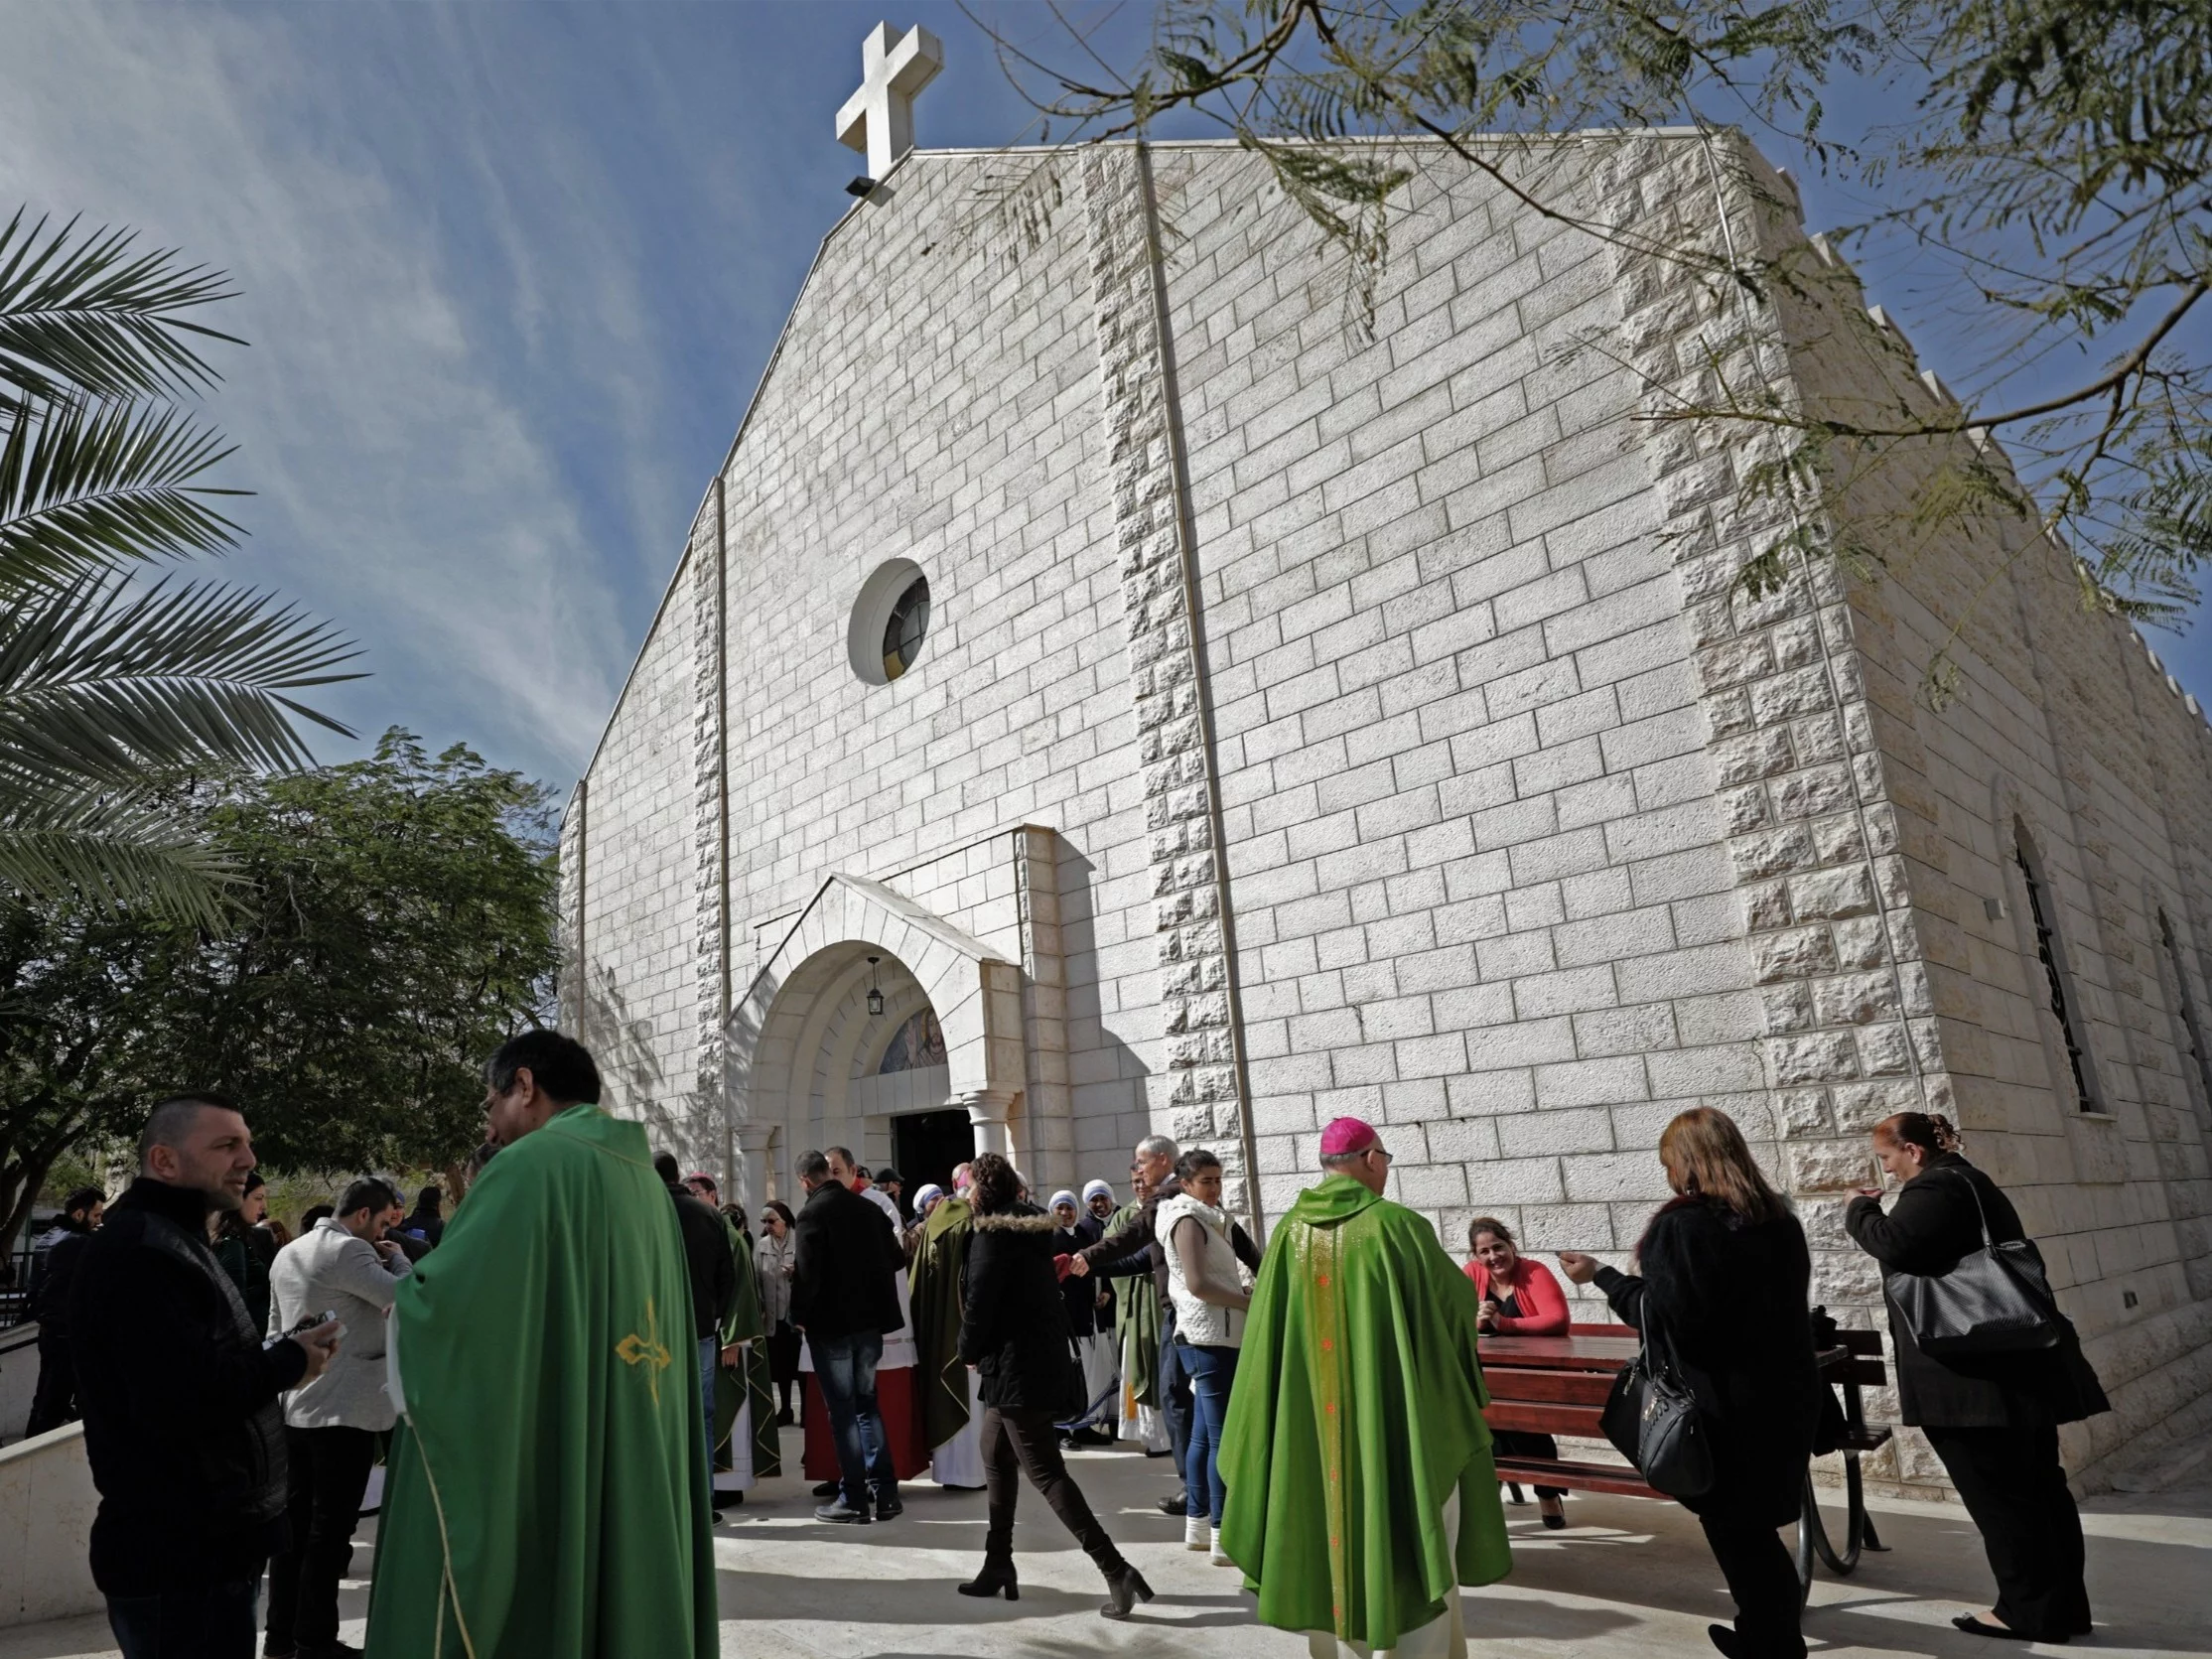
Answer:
(546, 1495)
(1356, 1415)
(1136, 1323)
(933, 1296)
(747, 1381)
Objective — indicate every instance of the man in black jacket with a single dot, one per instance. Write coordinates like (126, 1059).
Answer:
(1135, 1250)
(180, 1398)
(713, 1281)
(53, 1269)
(845, 1298)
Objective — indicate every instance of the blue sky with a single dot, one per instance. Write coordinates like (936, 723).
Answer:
(509, 271)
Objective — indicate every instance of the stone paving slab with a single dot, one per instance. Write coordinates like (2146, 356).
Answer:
(1628, 1578)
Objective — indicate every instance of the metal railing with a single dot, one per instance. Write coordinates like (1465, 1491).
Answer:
(15, 1294)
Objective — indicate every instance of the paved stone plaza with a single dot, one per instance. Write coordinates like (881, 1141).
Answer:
(1627, 1578)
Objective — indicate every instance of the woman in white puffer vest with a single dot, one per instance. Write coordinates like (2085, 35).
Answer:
(1210, 1294)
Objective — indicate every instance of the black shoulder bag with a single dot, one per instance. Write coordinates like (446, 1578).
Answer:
(1653, 1420)
(1991, 1301)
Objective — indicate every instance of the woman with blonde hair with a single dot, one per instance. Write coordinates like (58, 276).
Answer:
(1724, 1282)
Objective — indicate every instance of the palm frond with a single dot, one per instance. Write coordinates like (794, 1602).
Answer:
(88, 486)
(107, 683)
(89, 314)
(114, 850)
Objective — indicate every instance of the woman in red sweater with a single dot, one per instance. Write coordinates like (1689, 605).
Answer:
(1520, 1298)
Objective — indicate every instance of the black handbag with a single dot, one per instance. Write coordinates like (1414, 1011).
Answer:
(1653, 1420)
(1992, 1301)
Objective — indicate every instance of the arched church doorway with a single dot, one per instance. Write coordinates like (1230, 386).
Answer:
(871, 1013)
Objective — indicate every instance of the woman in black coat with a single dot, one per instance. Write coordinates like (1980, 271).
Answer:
(1013, 1331)
(1993, 1418)
(1724, 1278)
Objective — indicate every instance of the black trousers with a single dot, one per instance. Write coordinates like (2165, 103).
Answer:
(1762, 1577)
(1174, 1387)
(1018, 1443)
(2016, 1492)
(207, 1621)
(327, 1473)
(54, 1400)
(1524, 1442)
(784, 1362)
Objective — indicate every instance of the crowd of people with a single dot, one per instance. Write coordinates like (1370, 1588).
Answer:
(591, 1333)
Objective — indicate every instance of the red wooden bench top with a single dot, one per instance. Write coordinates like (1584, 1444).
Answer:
(1572, 1352)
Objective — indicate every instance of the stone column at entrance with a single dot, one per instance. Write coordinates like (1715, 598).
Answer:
(986, 1111)
(753, 1148)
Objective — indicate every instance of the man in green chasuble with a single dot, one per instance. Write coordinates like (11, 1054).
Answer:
(1361, 1493)
(546, 1492)
(951, 1422)
(744, 1441)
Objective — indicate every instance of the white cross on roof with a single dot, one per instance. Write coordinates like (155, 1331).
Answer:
(879, 117)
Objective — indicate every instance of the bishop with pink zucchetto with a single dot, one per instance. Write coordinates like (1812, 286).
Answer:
(1361, 1492)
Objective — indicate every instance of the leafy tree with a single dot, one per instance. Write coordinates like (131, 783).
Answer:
(393, 922)
(73, 996)
(2052, 159)
(106, 685)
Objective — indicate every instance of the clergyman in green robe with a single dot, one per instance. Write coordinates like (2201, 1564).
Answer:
(933, 1286)
(743, 1381)
(1355, 1424)
(1137, 1415)
(546, 1493)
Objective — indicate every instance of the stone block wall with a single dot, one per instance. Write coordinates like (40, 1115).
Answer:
(959, 432)
(2056, 721)
(1482, 889)
(627, 890)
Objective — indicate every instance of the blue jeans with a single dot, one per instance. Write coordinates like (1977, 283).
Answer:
(845, 1366)
(1211, 1371)
(215, 1621)
(709, 1356)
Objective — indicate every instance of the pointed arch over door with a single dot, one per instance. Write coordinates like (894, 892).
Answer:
(975, 994)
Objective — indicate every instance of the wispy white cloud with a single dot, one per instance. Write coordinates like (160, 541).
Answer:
(403, 491)
(511, 272)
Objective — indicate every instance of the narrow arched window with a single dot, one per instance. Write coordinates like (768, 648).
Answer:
(2043, 913)
(2192, 1032)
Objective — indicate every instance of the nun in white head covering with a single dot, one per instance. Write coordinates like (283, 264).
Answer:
(1090, 1316)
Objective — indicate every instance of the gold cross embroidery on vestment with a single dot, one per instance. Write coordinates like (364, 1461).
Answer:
(647, 1350)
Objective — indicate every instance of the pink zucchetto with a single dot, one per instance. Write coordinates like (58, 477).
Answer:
(1347, 1135)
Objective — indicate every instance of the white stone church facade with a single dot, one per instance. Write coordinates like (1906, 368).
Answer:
(1312, 722)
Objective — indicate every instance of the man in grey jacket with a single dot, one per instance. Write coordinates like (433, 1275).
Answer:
(344, 1265)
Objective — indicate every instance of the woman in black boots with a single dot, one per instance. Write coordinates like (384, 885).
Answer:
(1993, 1418)
(1014, 1330)
(1725, 1270)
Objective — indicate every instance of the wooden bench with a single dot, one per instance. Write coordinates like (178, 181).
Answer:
(1559, 1385)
